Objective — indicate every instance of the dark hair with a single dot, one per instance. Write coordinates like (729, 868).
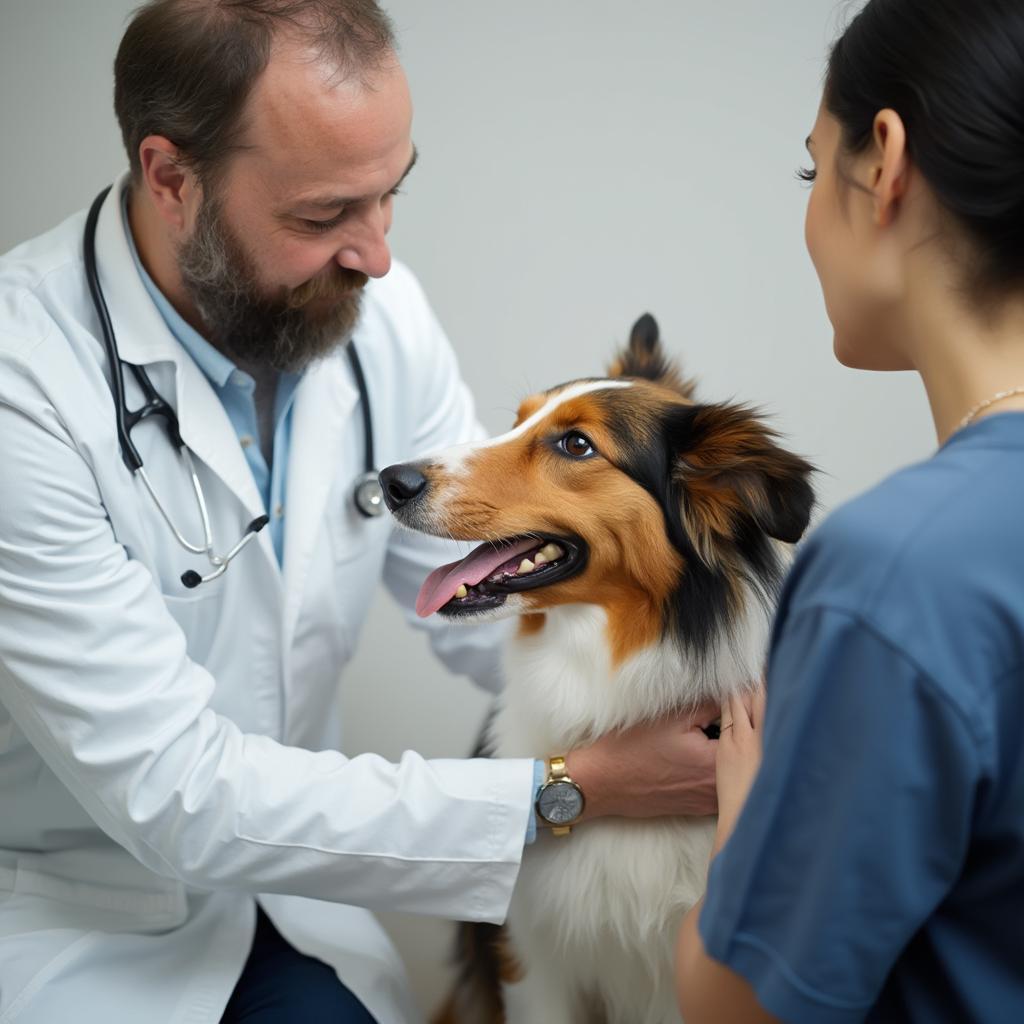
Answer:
(954, 72)
(185, 68)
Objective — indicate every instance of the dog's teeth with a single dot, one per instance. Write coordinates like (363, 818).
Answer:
(551, 552)
(526, 566)
(540, 558)
(462, 591)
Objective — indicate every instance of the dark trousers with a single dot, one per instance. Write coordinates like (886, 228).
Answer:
(281, 986)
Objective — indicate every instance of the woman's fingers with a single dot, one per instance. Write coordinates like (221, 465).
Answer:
(740, 715)
(744, 713)
(726, 719)
(737, 758)
(758, 705)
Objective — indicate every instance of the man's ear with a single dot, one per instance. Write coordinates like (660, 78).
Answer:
(170, 184)
(732, 473)
(644, 357)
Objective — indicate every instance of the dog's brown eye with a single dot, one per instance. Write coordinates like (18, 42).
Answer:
(577, 445)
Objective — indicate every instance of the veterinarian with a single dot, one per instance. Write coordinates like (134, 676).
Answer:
(180, 589)
(876, 871)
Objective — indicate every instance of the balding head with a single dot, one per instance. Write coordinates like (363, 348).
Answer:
(185, 69)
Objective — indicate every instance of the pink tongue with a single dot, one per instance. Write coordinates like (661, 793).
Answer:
(442, 583)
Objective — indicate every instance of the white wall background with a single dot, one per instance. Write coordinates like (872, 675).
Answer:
(582, 161)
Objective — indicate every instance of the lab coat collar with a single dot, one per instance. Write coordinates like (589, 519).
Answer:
(324, 400)
(144, 339)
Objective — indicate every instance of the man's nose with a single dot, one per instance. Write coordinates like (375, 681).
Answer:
(401, 484)
(367, 249)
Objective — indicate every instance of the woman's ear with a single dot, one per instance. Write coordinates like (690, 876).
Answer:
(889, 165)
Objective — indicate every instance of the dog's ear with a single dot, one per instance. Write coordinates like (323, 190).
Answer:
(644, 357)
(733, 472)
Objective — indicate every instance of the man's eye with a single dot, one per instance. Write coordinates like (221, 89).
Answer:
(321, 226)
(577, 445)
(807, 174)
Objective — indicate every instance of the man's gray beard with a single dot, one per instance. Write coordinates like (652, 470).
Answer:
(242, 321)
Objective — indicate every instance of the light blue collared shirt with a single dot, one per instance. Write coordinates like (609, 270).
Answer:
(237, 392)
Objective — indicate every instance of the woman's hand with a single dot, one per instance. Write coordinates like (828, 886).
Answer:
(738, 758)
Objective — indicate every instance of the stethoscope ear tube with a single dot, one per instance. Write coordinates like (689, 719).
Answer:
(367, 494)
(129, 454)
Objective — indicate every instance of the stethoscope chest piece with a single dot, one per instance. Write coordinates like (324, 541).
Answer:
(368, 495)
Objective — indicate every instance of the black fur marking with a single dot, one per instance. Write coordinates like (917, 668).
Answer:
(643, 356)
(701, 608)
(792, 502)
(645, 334)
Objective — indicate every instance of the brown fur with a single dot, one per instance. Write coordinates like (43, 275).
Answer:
(487, 962)
(530, 489)
(531, 624)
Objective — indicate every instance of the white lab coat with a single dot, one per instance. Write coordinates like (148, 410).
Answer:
(166, 754)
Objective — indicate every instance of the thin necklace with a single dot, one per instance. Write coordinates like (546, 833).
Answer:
(997, 397)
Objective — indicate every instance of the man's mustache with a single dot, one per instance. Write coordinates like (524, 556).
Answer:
(339, 285)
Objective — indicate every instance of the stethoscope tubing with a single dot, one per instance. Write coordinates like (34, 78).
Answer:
(366, 495)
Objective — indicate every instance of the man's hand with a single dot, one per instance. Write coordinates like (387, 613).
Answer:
(662, 768)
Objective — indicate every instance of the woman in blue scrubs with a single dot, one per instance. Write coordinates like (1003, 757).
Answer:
(872, 868)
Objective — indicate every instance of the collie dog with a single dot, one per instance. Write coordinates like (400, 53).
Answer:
(640, 537)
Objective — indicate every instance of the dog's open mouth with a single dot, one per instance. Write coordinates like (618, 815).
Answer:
(488, 574)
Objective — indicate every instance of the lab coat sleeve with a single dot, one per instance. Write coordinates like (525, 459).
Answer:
(444, 415)
(94, 671)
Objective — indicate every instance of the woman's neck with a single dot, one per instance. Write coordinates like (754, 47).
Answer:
(965, 358)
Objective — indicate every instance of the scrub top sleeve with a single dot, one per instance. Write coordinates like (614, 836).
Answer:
(855, 829)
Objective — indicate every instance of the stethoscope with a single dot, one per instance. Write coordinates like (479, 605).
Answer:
(366, 494)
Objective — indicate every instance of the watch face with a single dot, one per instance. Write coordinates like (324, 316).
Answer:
(560, 803)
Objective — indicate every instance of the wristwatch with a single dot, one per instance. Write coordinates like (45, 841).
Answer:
(560, 801)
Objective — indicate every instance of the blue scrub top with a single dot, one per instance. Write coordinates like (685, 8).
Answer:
(877, 870)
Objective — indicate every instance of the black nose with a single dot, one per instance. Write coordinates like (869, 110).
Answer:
(401, 484)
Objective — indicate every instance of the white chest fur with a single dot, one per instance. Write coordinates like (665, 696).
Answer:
(595, 915)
